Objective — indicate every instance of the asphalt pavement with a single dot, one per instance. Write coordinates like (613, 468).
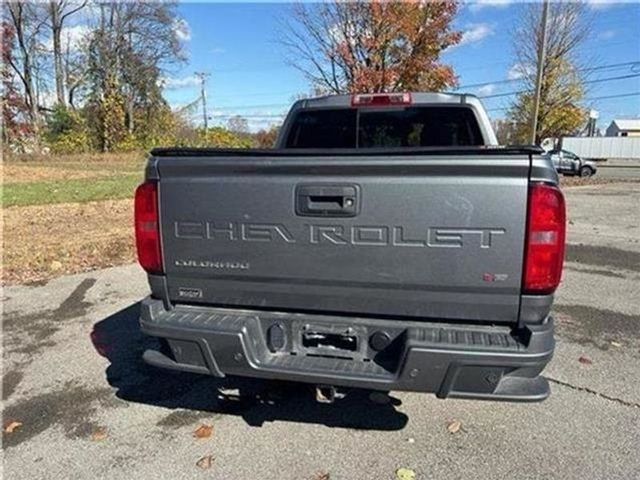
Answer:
(89, 408)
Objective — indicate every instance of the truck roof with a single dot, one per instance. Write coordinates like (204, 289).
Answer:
(417, 98)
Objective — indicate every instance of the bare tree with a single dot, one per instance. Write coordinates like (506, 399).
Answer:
(129, 48)
(75, 67)
(59, 12)
(133, 42)
(562, 87)
(372, 46)
(27, 21)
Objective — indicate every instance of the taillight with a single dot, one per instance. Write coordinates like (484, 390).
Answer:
(148, 228)
(380, 99)
(545, 239)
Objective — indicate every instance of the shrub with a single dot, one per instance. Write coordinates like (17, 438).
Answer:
(71, 142)
(221, 137)
(66, 131)
(128, 143)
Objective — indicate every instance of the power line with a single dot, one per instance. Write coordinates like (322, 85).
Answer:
(271, 66)
(250, 116)
(243, 107)
(497, 95)
(506, 94)
(621, 77)
(603, 97)
(612, 65)
(511, 80)
(620, 95)
(597, 80)
(504, 81)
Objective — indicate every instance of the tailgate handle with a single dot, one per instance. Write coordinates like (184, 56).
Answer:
(327, 200)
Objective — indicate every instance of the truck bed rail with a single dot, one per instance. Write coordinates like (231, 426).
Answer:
(320, 152)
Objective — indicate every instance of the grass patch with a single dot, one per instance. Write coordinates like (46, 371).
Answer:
(65, 214)
(70, 191)
(46, 241)
(49, 168)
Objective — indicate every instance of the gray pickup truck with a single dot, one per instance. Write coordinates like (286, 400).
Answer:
(386, 243)
(568, 163)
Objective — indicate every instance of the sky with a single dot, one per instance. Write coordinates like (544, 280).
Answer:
(237, 45)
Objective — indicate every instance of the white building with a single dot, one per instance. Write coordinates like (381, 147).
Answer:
(624, 128)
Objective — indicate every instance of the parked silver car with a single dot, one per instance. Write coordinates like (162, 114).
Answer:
(568, 163)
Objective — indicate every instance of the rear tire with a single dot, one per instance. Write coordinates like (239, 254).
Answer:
(586, 171)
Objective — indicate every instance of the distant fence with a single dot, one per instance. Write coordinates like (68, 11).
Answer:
(603, 148)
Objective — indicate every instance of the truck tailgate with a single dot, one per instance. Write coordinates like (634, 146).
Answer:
(426, 236)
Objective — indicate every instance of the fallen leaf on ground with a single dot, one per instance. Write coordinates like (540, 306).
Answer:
(616, 344)
(585, 360)
(12, 426)
(405, 474)
(203, 431)
(454, 427)
(205, 462)
(321, 476)
(99, 434)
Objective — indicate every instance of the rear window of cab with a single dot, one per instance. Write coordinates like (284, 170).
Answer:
(426, 126)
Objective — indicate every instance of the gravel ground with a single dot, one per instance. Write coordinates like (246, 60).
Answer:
(89, 408)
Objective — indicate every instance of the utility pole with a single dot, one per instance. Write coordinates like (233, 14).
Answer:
(542, 52)
(203, 95)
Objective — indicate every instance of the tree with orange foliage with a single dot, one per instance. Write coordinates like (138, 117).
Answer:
(378, 46)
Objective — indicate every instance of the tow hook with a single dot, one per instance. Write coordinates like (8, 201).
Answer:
(328, 394)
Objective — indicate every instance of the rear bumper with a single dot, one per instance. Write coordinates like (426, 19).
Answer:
(450, 360)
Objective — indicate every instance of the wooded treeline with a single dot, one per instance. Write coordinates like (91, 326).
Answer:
(82, 76)
(87, 75)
